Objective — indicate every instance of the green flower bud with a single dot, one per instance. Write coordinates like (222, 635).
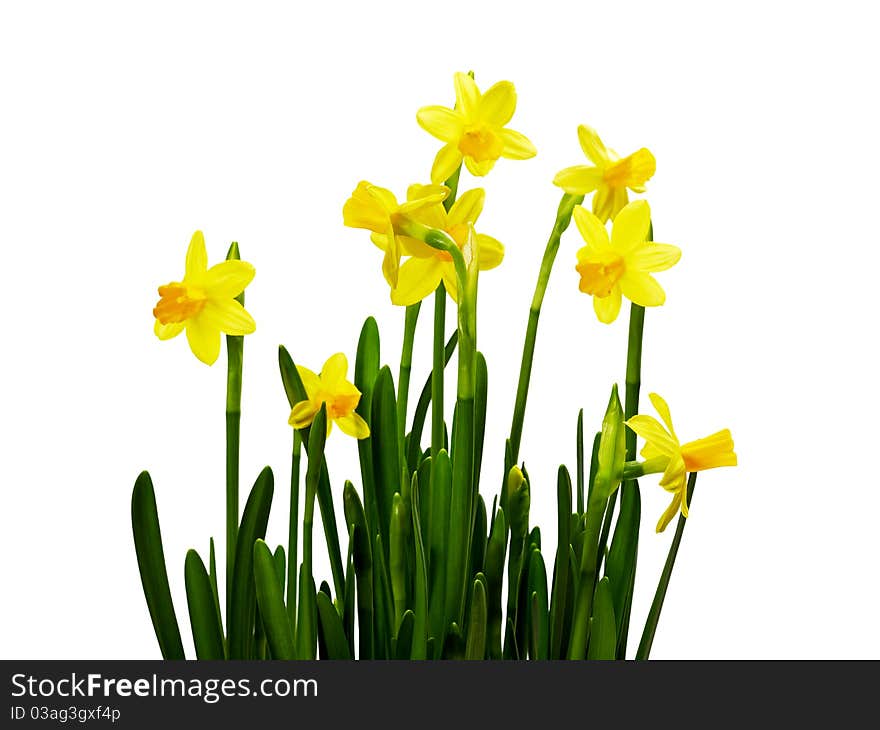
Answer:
(518, 501)
(612, 449)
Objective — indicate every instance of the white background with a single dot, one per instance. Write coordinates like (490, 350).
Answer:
(124, 129)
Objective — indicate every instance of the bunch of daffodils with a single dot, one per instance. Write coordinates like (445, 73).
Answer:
(431, 565)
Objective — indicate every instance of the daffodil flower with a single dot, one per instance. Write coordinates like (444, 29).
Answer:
(340, 395)
(204, 303)
(622, 265)
(474, 131)
(377, 210)
(421, 274)
(706, 453)
(609, 176)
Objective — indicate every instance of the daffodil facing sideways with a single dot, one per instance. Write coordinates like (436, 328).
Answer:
(662, 443)
(421, 274)
(621, 266)
(474, 131)
(204, 303)
(609, 175)
(377, 210)
(330, 386)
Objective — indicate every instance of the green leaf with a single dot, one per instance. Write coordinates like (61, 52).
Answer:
(348, 600)
(306, 618)
(400, 522)
(332, 632)
(480, 399)
(383, 435)
(594, 465)
(603, 633)
(538, 619)
(384, 604)
(580, 462)
(621, 563)
(151, 563)
(496, 550)
(253, 526)
(441, 493)
(478, 541)
(271, 602)
(362, 558)
(475, 648)
(561, 586)
(280, 559)
(414, 449)
(366, 370)
(207, 632)
(420, 596)
(403, 640)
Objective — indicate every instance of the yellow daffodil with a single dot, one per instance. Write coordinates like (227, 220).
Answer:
(204, 302)
(332, 388)
(474, 131)
(377, 210)
(621, 265)
(609, 176)
(421, 274)
(706, 453)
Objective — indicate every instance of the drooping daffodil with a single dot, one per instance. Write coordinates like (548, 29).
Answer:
(609, 175)
(474, 131)
(660, 441)
(421, 274)
(377, 210)
(330, 386)
(204, 303)
(621, 265)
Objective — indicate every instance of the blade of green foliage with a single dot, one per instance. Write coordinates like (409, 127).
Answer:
(539, 618)
(386, 459)
(207, 632)
(475, 647)
(496, 551)
(420, 580)
(460, 510)
(270, 599)
(580, 462)
(362, 556)
(414, 441)
(348, 600)
(594, 464)
(366, 370)
(603, 633)
(151, 563)
(479, 538)
(384, 603)
(559, 594)
(306, 618)
(480, 400)
(397, 567)
(253, 526)
(621, 563)
(332, 632)
(441, 493)
(402, 642)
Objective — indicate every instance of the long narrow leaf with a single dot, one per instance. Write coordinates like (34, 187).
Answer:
(207, 632)
(273, 613)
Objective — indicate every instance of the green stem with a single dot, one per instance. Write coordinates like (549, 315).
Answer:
(409, 331)
(235, 361)
(437, 422)
(657, 605)
(563, 219)
(293, 537)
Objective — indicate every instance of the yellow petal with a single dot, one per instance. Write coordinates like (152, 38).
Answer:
(380, 240)
(309, 379)
(302, 414)
(631, 226)
(578, 180)
(642, 167)
(662, 408)
(391, 260)
(592, 146)
(674, 478)
(385, 198)
(478, 169)
(491, 252)
(654, 257)
(196, 256)
(710, 452)
(443, 123)
(467, 208)
(516, 146)
(467, 95)
(417, 279)
(167, 331)
(229, 316)
(649, 429)
(607, 308)
(450, 281)
(227, 279)
(365, 208)
(415, 247)
(334, 371)
(498, 103)
(353, 425)
(204, 340)
(670, 512)
(445, 163)
(591, 228)
(642, 289)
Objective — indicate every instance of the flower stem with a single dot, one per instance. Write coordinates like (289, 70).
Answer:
(293, 537)
(563, 219)
(657, 605)
(409, 331)
(235, 360)
(583, 601)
